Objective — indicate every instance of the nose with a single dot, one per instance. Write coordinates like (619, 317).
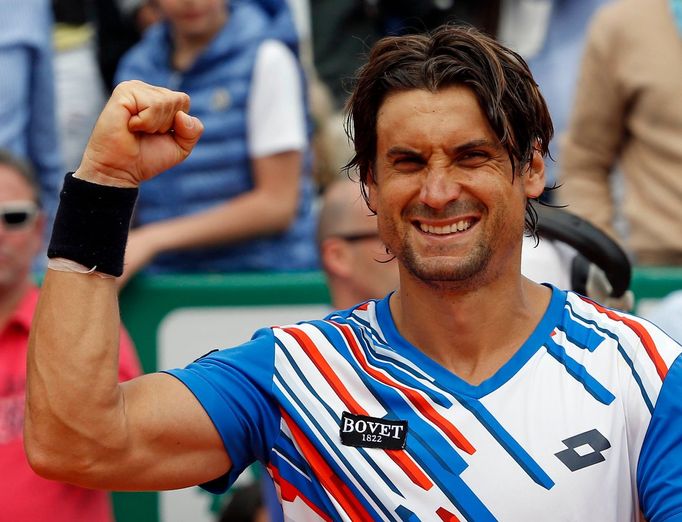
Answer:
(439, 187)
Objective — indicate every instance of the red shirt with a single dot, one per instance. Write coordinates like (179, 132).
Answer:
(24, 496)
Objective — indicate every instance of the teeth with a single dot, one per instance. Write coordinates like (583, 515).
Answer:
(460, 226)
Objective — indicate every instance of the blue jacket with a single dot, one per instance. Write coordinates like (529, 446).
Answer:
(219, 168)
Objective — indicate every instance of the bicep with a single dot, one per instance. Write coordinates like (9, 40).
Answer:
(172, 442)
(128, 361)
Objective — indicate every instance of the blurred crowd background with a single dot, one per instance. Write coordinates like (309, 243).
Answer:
(269, 79)
(274, 116)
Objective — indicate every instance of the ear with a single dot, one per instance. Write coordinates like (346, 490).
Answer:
(336, 257)
(371, 188)
(534, 177)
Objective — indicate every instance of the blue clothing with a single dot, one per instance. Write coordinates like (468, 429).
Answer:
(352, 421)
(219, 167)
(28, 125)
(676, 8)
(555, 67)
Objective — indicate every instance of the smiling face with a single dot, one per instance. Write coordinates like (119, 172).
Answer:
(448, 203)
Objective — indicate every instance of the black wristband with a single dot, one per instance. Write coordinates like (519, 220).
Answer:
(92, 223)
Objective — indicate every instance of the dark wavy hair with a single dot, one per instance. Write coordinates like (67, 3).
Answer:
(451, 55)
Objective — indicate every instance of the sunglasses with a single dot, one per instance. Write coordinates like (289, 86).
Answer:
(359, 236)
(18, 214)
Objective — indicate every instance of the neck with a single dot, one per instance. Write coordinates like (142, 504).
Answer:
(342, 294)
(188, 47)
(10, 298)
(472, 330)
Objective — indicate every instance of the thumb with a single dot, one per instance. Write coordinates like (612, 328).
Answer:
(187, 130)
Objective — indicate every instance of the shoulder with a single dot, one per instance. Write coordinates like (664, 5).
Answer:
(332, 331)
(273, 55)
(647, 350)
(611, 13)
(619, 23)
(626, 328)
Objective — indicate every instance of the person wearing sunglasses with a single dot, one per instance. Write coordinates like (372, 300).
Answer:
(23, 494)
(354, 259)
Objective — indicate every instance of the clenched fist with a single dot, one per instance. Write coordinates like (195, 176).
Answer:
(142, 131)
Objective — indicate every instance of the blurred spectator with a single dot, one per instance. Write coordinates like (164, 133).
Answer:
(550, 35)
(120, 23)
(243, 199)
(246, 504)
(344, 30)
(24, 496)
(79, 89)
(27, 111)
(353, 257)
(627, 113)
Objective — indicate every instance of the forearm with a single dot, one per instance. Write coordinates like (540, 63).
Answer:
(81, 426)
(250, 215)
(75, 410)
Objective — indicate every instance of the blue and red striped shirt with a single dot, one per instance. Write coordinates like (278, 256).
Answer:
(582, 423)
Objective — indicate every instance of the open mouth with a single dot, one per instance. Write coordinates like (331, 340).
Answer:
(443, 230)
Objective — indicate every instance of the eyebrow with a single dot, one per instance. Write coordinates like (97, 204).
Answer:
(401, 151)
(469, 145)
(475, 144)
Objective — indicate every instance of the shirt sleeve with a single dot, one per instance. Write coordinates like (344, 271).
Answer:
(234, 386)
(659, 470)
(276, 115)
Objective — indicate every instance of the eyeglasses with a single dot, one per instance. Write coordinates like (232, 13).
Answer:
(18, 214)
(360, 236)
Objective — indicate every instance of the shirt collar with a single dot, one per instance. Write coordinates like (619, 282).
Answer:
(23, 314)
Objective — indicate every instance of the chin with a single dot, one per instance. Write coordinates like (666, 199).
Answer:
(447, 269)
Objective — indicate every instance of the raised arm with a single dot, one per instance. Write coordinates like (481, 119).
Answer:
(81, 425)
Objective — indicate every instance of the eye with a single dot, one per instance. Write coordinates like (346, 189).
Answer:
(408, 163)
(474, 158)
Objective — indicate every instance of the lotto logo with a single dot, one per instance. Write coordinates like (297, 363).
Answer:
(575, 460)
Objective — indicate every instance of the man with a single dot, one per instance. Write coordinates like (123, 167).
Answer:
(353, 257)
(28, 125)
(471, 393)
(627, 117)
(23, 494)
